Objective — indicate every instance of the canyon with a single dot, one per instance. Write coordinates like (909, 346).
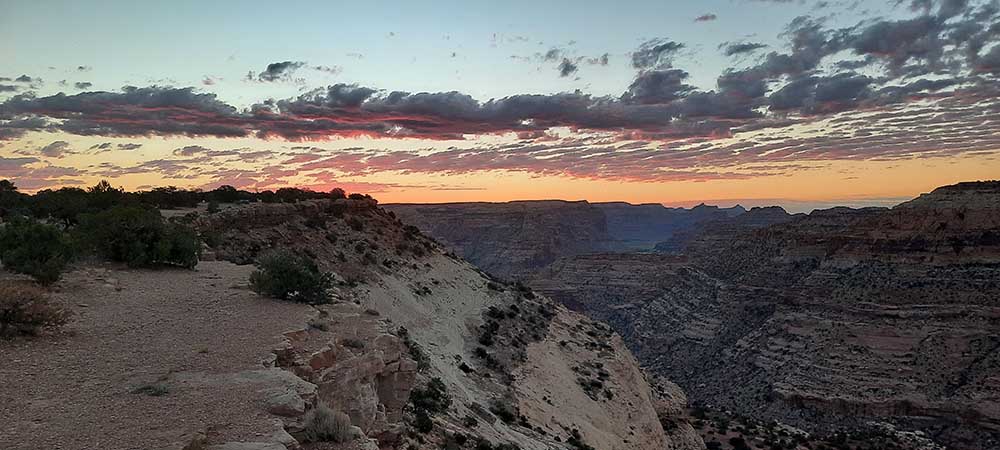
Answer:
(842, 319)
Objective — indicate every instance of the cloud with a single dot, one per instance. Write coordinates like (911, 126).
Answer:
(599, 60)
(83, 85)
(552, 55)
(706, 18)
(107, 146)
(56, 149)
(8, 88)
(739, 48)
(25, 79)
(823, 94)
(567, 68)
(131, 112)
(84, 68)
(658, 87)
(31, 173)
(282, 71)
(655, 53)
(12, 166)
(333, 70)
(278, 71)
(820, 71)
(191, 150)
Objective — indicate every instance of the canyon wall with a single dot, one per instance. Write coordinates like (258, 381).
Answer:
(828, 321)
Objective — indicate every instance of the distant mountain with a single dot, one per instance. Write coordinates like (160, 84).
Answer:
(516, 238)
(712, 231)
(641, 227)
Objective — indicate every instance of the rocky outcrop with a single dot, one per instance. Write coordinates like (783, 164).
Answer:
(837, 320)
(357, 365)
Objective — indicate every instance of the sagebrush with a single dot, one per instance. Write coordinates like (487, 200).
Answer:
(26, 310)
(323, 424)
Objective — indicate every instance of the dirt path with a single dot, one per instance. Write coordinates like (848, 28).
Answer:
(201, 335)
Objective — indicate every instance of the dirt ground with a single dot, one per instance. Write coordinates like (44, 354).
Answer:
(148, 358)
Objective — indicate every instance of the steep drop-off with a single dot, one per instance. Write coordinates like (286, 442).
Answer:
(828, 321)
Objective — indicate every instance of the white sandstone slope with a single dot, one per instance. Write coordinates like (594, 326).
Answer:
(503, 352)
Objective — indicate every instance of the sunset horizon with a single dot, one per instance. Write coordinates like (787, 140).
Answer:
(809, 105)
(513, 225)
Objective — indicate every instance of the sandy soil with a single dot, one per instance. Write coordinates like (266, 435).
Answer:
(203, 335)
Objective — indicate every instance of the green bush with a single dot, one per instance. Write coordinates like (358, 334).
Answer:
(433, 398)
(35, 249)
(287, 276)
(422, 421)
(140, 237)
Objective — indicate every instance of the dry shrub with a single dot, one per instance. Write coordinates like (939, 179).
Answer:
(323, 424)
(25, 310)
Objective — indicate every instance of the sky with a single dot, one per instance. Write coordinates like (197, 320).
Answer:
(795, 102)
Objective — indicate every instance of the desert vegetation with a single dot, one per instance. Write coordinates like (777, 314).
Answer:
(323, 424)
(36, 249)
(42, 233)
(287, 276)
(427, 401)
(139, 237)
(26, 310)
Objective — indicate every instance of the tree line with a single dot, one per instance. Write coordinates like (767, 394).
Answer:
(42, 233)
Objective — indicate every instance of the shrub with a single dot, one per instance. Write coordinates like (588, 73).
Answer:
(416, 351)
(504, 411)
(24, 310)
(323, 424)
(355, 224)
(353, 343)
(287, 276)
(139, 237)
(152, 389)
(422, 421)
(35, 249)
(433, 398)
